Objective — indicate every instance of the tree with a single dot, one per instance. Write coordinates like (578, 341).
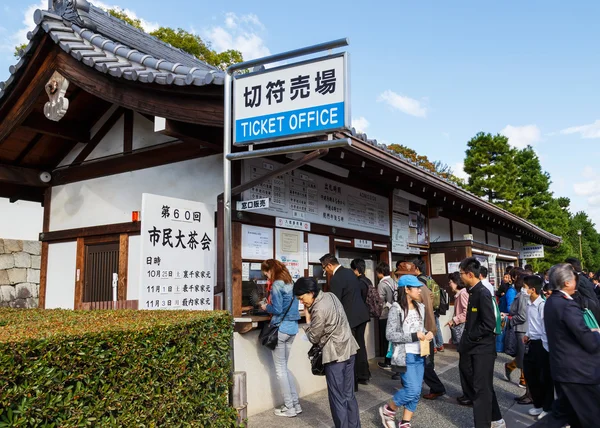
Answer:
(437, 167)
(19, 49)
(492, 171)
(532, 184)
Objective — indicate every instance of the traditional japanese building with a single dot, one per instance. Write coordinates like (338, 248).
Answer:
(96, 113)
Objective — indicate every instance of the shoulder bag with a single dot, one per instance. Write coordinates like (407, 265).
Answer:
(269, 335)
(315, 354)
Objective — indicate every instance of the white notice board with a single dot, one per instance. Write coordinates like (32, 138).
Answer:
(289, 249)
(257, 242)
(318, 246)
(178, 254)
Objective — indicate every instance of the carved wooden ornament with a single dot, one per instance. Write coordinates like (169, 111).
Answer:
(56, 88)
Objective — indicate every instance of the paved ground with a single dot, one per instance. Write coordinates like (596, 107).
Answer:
(443, 412)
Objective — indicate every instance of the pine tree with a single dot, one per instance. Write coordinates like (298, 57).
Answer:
(532, 184)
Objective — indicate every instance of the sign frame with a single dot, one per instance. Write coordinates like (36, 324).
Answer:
(346, 91)
(532, 252)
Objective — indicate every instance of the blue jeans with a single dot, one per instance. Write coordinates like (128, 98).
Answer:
(412, 381)
(439, 338)
(281, 355)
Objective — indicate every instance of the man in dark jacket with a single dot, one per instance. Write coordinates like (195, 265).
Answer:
(574, 351)
(477, 350)
(346, 286)
(585, 294)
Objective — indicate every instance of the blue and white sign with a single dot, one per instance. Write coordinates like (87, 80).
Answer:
(300, 99)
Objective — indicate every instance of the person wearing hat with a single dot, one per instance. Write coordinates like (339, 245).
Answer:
(405, 329)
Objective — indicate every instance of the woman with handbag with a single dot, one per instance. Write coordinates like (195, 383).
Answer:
(461, 302)
(406, 330)
(285, 315)
(517, 317)
(327, 328)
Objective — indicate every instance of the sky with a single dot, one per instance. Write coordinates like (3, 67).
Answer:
(425, 74)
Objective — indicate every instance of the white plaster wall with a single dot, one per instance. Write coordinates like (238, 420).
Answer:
(20, 220)
(60, 279)
(459, 230)
(133, 268)
(439, 229)
(112, 143)
(144, 135)
(111, 199)
(506, 243)
(492, 239)
(478, 234)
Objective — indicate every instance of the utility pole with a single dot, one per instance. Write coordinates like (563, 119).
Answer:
(580, 248)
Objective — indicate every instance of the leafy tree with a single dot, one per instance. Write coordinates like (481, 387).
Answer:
(437, 167)
(492, 171)
(532, 184)
(120, 13)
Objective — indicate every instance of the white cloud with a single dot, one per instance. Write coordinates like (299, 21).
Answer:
(404, 104)
(522, 136)
(588, 172)
(587, 188)
(360, 124)
(241, 32)
(591, 130)
(459, 170)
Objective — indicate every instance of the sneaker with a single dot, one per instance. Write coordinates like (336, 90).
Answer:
(535, 411)
(284, 411)
(297, 408)
(404, 425)
(388, 416)
(384, 366)
(507, 371)
(441, 348)
(499, 424)
(541, 415)
(522, 384)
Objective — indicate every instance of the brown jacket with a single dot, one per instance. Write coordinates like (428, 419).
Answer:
(427, 300)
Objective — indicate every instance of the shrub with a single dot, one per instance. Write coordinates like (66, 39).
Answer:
(61, 368)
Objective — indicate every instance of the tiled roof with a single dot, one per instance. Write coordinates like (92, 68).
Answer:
(491, 207)
(111, 46)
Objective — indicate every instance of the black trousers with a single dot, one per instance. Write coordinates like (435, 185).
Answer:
(430, 377)
(576, 404)
(477, 380)
(361, 367)
(536, 364)
(383, 343)
(342, 402)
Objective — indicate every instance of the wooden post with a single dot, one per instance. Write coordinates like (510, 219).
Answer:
(240, 396)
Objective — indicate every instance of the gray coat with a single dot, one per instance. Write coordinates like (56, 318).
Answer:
(330, 329)
(518, 312)
(387, 291)
(394, 333)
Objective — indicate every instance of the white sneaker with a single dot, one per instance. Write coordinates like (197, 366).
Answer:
(541, 415)
(284, 411)
(297, 408)
(388, 416)
(499, 424)
(535, 411)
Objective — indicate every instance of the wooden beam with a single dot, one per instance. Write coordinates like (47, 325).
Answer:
(123, 265)
(27, 149)
(85, 232)
(67, 130)
(43, 276)
(79, 274)
(19, 175)
(98, 136)
(184, 105)
(128, 132)
(143, 158)
(206, 136)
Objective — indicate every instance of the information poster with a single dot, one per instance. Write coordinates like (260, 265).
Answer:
(178, 254)
(453, 267)
(438, 264)
(318, 246)
(257, 242)
(289, 249)
(310, 198)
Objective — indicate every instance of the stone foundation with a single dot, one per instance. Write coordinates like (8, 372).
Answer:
(20, 273)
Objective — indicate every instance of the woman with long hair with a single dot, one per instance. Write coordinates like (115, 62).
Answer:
(405, 329)
(284, 310)
(328, 327)
(461, 302)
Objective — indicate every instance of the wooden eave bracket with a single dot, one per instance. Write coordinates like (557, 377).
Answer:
(24, 176)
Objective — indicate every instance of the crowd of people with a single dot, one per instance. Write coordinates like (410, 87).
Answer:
(552, 315)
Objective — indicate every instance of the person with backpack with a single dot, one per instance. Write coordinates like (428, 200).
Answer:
(477, 349)
(436, 297)
(361, 368)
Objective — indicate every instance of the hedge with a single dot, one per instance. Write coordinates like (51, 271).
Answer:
(61, 368)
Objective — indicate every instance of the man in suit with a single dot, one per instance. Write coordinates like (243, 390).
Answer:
(574, 352)
(477, 350)
(584, 295)
(346, 286)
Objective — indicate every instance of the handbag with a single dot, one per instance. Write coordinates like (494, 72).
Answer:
(269, 335)
(510, 340)
(457, 332)
(589, 319)
(315, 353)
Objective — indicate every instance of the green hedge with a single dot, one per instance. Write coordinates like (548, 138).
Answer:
(127, 368)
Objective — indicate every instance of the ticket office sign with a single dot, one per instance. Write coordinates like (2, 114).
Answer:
(305, 98)
(177, 254)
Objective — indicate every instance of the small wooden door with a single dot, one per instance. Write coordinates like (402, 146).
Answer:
(101, 269)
